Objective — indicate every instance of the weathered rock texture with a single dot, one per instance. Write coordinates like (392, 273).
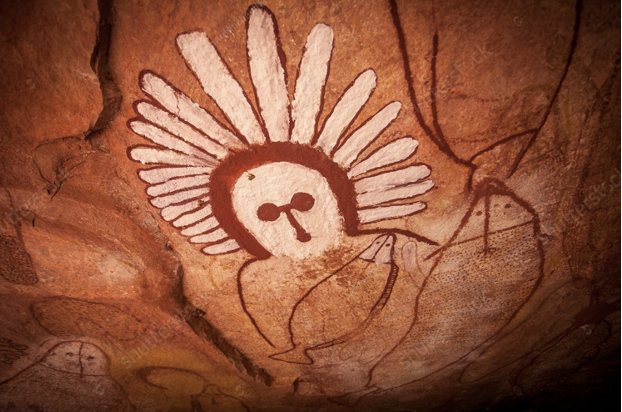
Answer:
(495, 284)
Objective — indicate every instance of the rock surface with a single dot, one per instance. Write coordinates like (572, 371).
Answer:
(472, 265)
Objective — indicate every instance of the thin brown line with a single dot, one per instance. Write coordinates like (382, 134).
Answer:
(437, 126)
(408, 76)
(158, 105)
(500, 142)
(196, 224)
(356, 161)
(228, 128)
(346, 128)
(479, 237)
(195, 201)
(404, 232)
(184, 201)
(376, 173)
(486, 222)
(167, 166)
(342, 141)
(573, 46)
(178, 191)
(243, 303)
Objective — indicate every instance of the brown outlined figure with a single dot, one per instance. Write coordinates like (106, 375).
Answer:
(273, 181)
(480, 180)
(343, 304)
(199, 395)
(73, 374)
(195, 191)
(66, 317)
(483, 276)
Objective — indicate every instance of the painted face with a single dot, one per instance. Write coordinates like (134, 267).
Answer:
(288, 208)
(77, 357)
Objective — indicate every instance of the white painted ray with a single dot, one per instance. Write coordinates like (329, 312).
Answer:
(351, 102)
(164, 138)
(181, 105)
(194, 217)
(172, 212)
(395, 193)
(177, 184)
(218, 82)
(162, 174)
(201, 227)
(268, 74)
(211, 237)
(164, 201)
(220, 248)
(389, 212)
(150, 155)
(172, 124)
(311, 80)
(388, 180)
(394, 152)
(365, 135)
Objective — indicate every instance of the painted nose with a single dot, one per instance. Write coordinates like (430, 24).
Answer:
(303, 202)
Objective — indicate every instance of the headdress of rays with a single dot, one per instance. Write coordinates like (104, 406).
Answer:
(190, 143)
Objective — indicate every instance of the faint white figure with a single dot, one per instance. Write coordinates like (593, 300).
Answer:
(72, 376)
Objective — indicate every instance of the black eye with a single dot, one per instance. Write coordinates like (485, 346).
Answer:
(302, 201)
(90, 357)
(268, 212)
(69, 354)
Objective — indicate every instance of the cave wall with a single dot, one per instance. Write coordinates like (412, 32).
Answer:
(457, 247)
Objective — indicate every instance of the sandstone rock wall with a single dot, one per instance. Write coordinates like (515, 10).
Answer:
(440, 184)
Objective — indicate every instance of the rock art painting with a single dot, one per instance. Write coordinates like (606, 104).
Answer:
(333, 205)
(317, 323)
(65, 317)
(483, 275)
(281, 185)
(71, 376)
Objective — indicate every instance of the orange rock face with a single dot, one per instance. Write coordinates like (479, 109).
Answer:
(379, 205)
